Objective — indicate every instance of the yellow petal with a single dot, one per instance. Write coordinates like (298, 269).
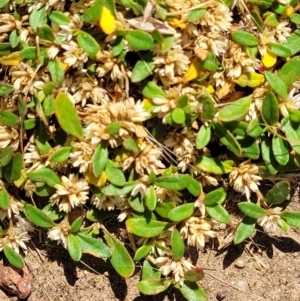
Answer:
(255, 79)
(269, 59)
(289, 11)
(210, 89)
(195, 70)
(96, 181)
(107, 21)
(177, 23)
(11, 60)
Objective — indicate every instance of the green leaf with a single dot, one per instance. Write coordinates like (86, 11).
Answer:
(237, 128)
(254, 128)
(6, 155)
(194, 275)
(59, 18)
(139, 40)
(137, 203)
(60, 155)
(213, 165)
(38, 17)
(211, 63)
(181, 212)
(144, 228)
(177, 245)
(173, 182)
(227, 138)
(152, 90)
(252, 210)
(37, 216)
(218, 213)
(178, 116)
(276, 83)
(113, 128)
(92, 13)
(13, 257)
(111, 190)
(153, 286)
(150, 271)
(8, 118)
(268, 156)
(142, 69)
(14, 39)
(250, 147)
(192, 291)
(279, 49)
(270, 109)
(66, 115)
(88, 44)
(143, 251)
(56, 71)
(290, 72)
(182, 101)
(292, 132)
(45, 32)
(45, 175)
(100, 159)
(245, 229)
(120, 259)
(74, 247)
(279, 193)
(93, 246)
(41, 138)
(208, 109)
(5, 89)
(280, 150)
(52, 211)
(12, 171)
(196, 14)
(4, 199)
(291, 218)
(203, 136)
(151, 199)
(216, 196)
(292, 42)
(295, 18)
(163, 208)
(262, 4)
(130, 145)
(76, 225)
(236, 110)
(3, 3)
(114, 175)
(194, 187)
(244, 38)
(29, 53)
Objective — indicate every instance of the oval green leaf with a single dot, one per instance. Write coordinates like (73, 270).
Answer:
(46, 175)
(88, 44)
(213, 165)
(244, 38)
(218, 213)
(270, 109)
(120, 259)
(13, 257)
(93, 246)
(145, 228)
(74, 247)
(203, 136)
(139, 40)
(291, 218)
(280, 150)
(192, 291)
(154, 286)
(216, 196)
(245, 229)
(66, 115)
(279, 193)
(4, 199)
(37, 216)
(181, 212)
(252, 210)
(277, 84)
(236, 110)
(177, 245)
(173, 182)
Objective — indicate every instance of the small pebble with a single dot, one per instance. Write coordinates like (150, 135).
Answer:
(239, 263)
(221, 296)
(222, 226)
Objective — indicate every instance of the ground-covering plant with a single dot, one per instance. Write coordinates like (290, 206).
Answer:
(149, 112)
